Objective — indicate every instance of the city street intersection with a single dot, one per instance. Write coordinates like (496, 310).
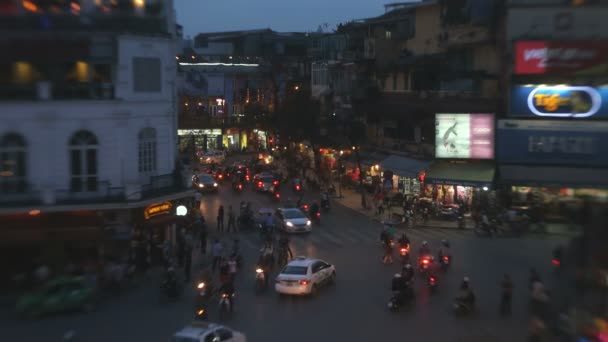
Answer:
(352, 310)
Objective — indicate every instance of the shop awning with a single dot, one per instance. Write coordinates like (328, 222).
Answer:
(477, 174)
(558, 177)
(405, 167)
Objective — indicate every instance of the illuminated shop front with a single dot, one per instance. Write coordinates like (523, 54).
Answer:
(406, 173)
(200, 139)
(258, 140)
(232, 139)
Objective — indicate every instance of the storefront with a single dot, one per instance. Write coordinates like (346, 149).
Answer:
(553, 163)
(464, 171)
(406, 173)
(258, 140)
(200, 139)
(232, 139)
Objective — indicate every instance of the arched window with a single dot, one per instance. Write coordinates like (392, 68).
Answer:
(147, 150)
(12, 164)
(83, 162)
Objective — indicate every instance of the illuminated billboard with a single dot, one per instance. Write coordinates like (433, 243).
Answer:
(464, 136)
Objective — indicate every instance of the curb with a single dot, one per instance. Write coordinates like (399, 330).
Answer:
(419, 226)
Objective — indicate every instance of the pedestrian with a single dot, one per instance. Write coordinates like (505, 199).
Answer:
(188, 264)
(224, 271)
(507, 292)
(216, 252)
(197, 200)
(388, 253)
(232, 267)
(203, 235)
(181, 247)
(231, 219)
(220, 219)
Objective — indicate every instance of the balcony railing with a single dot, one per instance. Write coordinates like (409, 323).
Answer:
(109, 23)
(105, 194)
(23, 198)
(58, 91)
(164, 185)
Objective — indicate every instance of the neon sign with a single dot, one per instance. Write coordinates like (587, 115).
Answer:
(157, 209)
(564, 101)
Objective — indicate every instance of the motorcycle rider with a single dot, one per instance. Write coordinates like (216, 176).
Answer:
(284, 243)
(466, 297)
(444, 250)
(399, 287)
(227, 288)
(314, 209)
(404, 241)
(407, 273)
(388, 252)
(268, 224)
(424, 250)
(325, 199)
(170, 282)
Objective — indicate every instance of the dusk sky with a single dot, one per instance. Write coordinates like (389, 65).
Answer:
(280, 15)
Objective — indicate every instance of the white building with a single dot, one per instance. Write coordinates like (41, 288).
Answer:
(88, 114)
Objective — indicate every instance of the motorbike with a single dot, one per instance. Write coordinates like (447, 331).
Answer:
(404, 254)
(297, 188)
(462, 308)
(238, 187)
(461, 222)
(201, 314)
(399, 299)
(432, 284)
(276, 194)
(315, 217)
(203, 293)
(445, 261)
(225, 304)
(260, 280)
(424, 263)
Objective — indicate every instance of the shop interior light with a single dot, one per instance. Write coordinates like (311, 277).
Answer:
(485, 188)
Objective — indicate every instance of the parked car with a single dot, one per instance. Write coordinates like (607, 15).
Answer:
(212, 157)
(62, 294)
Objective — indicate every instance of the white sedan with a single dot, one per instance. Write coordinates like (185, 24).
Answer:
(207, 332)
(304, 276)
(293, 220)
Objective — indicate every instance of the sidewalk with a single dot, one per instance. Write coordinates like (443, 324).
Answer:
(352, 200)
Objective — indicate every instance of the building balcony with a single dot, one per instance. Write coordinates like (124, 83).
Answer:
(57, 91)
(107, 23)
(104, 193)
(464, 35)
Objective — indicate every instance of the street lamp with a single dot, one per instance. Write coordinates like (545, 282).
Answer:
(181, 210)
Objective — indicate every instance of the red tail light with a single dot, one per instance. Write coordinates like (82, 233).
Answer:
(304, 282)
(220, 176)
(277, 195)
(555, 262)
(432, 280)
(306, 206)
(260, 184)
(403, 250)
(247, 177)
(240, 186)
(297, 187)
(425, 261)
(318, 214)
(275, 183)
(445, 258)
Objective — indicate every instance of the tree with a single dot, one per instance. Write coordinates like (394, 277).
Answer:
(298, 116)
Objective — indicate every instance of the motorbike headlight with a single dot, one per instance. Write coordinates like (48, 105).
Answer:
(200, 285)
(308, 223)
(201, 185)
(289, 224)
(215, 184)
(258, 270)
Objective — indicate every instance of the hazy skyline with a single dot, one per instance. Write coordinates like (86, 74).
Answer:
(305, 15)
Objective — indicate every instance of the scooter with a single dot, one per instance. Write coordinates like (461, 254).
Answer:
(404, 254)
(238, 187)
(225, 304)
(445, 261)
(432, 284)
(260, 280)
(399, 299)
(424, 263)
(276, 194)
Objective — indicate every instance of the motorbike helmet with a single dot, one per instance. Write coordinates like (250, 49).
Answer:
(424, 243)
(408, 266)
(445, 243)
(397, 275)
(465, 279)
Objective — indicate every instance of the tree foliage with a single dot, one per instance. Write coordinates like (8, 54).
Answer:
(298, 116)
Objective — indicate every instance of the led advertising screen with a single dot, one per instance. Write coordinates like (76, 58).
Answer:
(464, 136)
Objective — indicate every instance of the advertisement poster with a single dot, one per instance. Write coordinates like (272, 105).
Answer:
(464, 136)
(552, 143)
(555, 57)
(559, 101)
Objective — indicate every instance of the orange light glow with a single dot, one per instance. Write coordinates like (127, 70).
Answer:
(34, 212)
(75, 8)
(30, 6)
(139, 3)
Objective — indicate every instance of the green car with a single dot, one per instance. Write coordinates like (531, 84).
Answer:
(59, 295)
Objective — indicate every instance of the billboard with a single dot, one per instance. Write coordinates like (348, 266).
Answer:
(559, 101)
(560, 57)
(464, 136)
(552, 143)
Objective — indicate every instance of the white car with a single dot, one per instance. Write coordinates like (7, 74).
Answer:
(304, 276)
(293, 220)
(207, 332)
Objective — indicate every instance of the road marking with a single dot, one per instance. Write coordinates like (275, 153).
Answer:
(325, 235)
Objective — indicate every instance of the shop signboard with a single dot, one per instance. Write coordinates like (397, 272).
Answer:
(559, 101)
(560, 57)
(552, 143)
(157, 209)
(464, 136)
(214, 131)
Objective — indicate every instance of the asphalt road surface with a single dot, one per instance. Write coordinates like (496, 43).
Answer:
(353, 310)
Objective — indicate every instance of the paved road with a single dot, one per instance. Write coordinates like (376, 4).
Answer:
(353, 310)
